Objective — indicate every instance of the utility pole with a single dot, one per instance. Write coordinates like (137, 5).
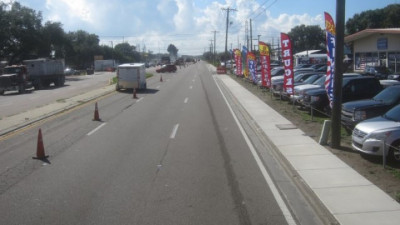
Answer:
(247, 34)
(337, 79)
(211, 49)
(214, 54)
(227, 26)
(251, 37)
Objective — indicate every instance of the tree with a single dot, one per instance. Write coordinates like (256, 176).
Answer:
(126, 53)
(307, 38)
(172, 50)
(81, 49)
(20, 32)
(53, 38)
(388, 17)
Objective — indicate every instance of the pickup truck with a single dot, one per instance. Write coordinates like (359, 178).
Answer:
(354, 112)
(353, 88)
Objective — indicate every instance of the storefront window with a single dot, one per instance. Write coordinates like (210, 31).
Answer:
(368, 58)
(394, 61)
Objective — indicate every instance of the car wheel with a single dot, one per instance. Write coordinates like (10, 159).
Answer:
(394, 152)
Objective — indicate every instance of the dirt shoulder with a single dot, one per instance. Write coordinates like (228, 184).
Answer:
(370, 167)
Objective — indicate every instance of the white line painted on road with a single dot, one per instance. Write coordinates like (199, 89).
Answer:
(96, 129)
(173, 134)
(140, 99)
(191, 87)
(186, 100)
(282, 205)
(158, 87)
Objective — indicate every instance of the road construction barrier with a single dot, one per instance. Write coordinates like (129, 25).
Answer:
(40, 147)
(221, 70)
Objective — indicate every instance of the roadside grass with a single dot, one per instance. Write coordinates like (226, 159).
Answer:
(286, 108)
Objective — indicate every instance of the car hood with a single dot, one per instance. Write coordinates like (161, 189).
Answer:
(318, 91)
(306, 86)
(361, 104)
(377, 123)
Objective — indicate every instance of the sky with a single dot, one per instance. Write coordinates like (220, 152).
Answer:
(151, 25)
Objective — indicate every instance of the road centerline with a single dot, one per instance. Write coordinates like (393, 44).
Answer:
(174, 131)
(96, 129)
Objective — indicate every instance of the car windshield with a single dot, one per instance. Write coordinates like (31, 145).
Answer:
(11, 70)
(393, 114)
(275, 71)
(311, 79)
(320, 81)
(389, 95)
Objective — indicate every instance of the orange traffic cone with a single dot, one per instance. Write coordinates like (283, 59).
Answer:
(161, 80)
(40, 148)
(134, 93)
(96, 113)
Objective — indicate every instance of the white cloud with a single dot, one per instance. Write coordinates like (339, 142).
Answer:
(184, 17)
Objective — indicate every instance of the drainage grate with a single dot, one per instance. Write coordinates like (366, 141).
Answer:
(285, 126)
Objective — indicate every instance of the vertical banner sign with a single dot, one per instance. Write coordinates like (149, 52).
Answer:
(244, 65)
(238, 61)
(265, 59)
(330, 51)
(288, 63)
(252, 65)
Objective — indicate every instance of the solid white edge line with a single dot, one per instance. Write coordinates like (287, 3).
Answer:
(140, 99)
(186, 100)
(282, 205)
(174, 131)
(96, 129)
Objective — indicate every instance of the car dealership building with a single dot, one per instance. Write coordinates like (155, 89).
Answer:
(375, 47)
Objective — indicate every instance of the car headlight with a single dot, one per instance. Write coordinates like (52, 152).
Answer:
(360, 115)
(314, 98)
(380, 136)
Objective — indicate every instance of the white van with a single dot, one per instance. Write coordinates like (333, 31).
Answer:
(131, 76)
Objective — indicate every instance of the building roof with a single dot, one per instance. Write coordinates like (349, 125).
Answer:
(368, 32)
(307, 52)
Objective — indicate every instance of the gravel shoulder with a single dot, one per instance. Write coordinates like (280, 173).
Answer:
(370, 167)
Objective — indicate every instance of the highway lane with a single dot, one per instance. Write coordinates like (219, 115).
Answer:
(173, 156)
(12, 103)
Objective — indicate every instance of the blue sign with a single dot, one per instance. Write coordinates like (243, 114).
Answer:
(382, 44)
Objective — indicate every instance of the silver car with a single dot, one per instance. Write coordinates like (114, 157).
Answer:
(368, 136)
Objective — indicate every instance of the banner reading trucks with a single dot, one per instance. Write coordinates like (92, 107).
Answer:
(265, 64)
(287, 57)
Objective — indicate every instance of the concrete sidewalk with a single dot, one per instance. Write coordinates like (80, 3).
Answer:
(14, 122)
(350, 197)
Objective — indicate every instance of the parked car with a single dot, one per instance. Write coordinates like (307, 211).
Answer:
(300, 90)
(354, 112)
(277, 71)
(299, 79)
(393, 77)
(368, 136)
(167, 68)
(380, 72)
(353, 88)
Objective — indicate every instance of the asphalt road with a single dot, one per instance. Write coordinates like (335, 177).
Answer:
(173, 156)
(12, 103)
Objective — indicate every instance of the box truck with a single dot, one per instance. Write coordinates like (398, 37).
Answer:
(37, 72)
(43, 72)
(131, 76)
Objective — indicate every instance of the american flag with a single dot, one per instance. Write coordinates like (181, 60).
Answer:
(330, 47)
